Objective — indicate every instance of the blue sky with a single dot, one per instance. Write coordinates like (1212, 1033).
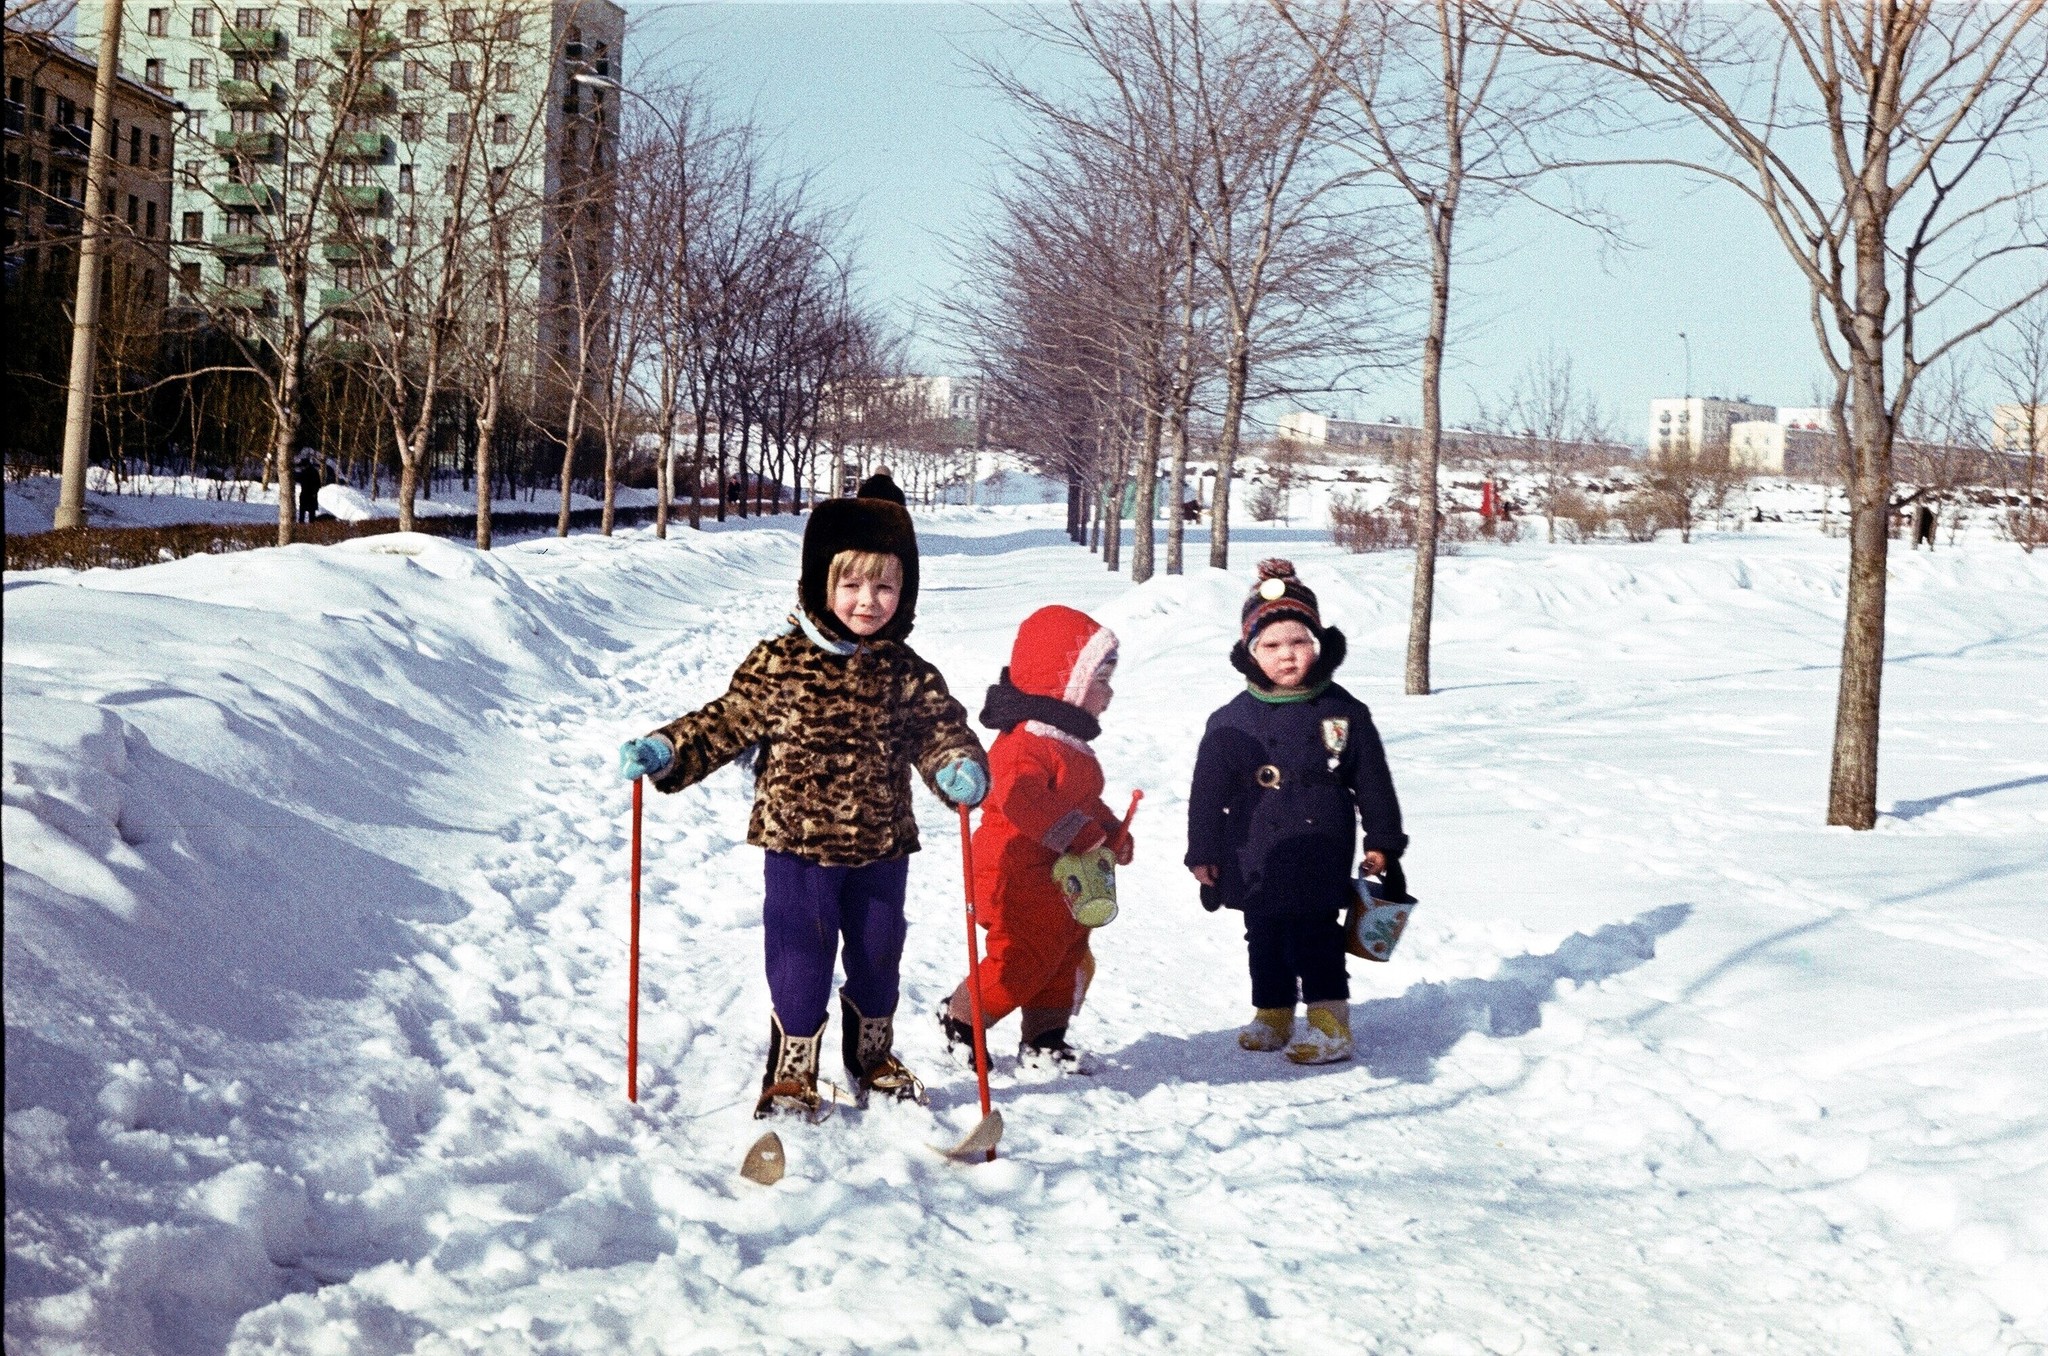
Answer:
(881, 103)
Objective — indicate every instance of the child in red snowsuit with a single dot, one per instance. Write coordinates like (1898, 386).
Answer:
(1045, 800)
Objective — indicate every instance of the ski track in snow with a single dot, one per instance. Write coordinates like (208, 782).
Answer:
(316, 891)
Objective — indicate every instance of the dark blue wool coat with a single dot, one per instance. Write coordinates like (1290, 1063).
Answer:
(1286, 842)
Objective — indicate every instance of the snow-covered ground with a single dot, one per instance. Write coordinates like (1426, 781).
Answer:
(315, 973)
(158, 501)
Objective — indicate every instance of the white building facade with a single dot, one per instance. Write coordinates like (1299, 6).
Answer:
(1694, 425)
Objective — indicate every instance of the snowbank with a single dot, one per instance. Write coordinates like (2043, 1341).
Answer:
(315, 895)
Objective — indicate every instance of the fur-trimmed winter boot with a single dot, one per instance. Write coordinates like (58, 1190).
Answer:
(1048, 1052)
(1269, 1029)
(1325, 1036)
(865, 1045)
(790, 1086)
(959, 1035)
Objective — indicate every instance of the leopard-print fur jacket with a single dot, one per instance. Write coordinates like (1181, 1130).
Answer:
(842, 734)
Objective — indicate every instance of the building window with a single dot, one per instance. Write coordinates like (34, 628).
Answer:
(134, 211)
(248, 120)
(159, 23)
(245, 69)
(508, 77)
(242, 275)
(411, 126)
(156, 149)
(199, 74)
(501, 130)
(458, 75)
(415, 75)
(135, 145)
(252, 18)
(448, 181)
(465, 23)
(305, 72)
(408, 229)
(188, 279)
(405, 178)
(202, 22)
(152, 72)
(508, 27)
(415, 23)
(301, 176)
(149, 225)
(458, 126)
(192, 171)
(302, 126)
(194, 227)
(309, 23)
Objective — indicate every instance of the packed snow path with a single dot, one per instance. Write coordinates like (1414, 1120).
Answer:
(315, 971)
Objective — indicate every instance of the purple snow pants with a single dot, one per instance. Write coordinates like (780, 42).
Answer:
(808, 909)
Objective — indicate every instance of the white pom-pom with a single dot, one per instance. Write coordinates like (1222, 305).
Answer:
(1273, 590)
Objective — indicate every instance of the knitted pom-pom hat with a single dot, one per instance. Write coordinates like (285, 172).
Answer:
(1279, 596)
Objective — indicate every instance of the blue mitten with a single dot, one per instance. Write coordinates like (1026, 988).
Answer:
(644, 757)
(962, 781)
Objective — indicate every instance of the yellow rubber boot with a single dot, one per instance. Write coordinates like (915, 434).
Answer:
(1325, 1036)
(1269, 1029)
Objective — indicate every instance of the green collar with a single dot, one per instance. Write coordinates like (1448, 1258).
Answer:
(1307, 694)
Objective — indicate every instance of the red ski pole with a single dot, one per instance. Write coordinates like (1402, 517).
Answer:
(633, 963)
(974, 969)
(1123, 830)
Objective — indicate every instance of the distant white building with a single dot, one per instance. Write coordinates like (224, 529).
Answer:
(941, 397)
(2013, 427)
(1777, 447)
(1692, 425)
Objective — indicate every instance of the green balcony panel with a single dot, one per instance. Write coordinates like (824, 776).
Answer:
(348, 350)
(340, 298)
(251, 42)
(372, 251)
(360, 197)
(377, 42)
(243, 298)
(361, 145)
(260, 196)
(241, 246)
(255, 145)
(248, 94)
(370, 94)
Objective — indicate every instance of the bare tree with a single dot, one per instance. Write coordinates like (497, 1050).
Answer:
(1435, 107)
(1889, 146)
(2018, 360)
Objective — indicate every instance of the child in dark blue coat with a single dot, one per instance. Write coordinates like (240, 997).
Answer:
(1287, 771)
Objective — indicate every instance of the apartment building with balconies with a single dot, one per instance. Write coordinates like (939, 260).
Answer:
(336, 146)
(48, 122)
(1692, 426)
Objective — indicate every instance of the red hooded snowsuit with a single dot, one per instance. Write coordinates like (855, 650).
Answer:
(1045, 799)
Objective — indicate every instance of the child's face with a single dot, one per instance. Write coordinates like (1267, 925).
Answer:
(1098, 696)
(865, 606)
(1284, 652)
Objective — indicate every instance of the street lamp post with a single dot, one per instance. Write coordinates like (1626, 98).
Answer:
(1688, 363)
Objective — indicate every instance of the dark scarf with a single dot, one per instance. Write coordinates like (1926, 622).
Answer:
(1006, 708)
(1331, 655)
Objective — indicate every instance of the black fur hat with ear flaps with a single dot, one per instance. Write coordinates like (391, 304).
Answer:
(1281, 596)
(857, 525)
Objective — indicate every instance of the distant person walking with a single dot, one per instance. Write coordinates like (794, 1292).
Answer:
(309, 480)
(1923, 527)
(880, 485)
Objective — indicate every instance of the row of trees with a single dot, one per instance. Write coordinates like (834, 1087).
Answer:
(1240, 202)
(458, 245)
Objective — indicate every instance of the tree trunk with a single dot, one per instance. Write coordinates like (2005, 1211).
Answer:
(1148, 495)
(1226, 454)
(284, 414)
(1422, 610)
(1852, 771)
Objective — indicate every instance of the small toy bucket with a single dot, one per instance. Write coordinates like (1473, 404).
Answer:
(1376, 918)
(1088, 880)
